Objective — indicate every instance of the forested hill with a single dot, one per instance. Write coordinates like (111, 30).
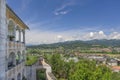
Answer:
(68, 44)
(78, 43)
(104, 42)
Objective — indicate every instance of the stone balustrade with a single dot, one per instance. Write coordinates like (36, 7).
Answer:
(11, 71)
(49, 74)
(16, 45)
(11, 45)
(15, 70)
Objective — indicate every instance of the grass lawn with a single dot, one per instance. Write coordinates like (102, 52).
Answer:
(31, 60)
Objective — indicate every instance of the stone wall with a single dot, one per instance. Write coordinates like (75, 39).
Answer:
(3, 36)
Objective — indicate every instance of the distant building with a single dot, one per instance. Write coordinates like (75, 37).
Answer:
(117, 49)
(98, 59)
(101, 49)
(115, 68)
(112, 62)
(12, 44)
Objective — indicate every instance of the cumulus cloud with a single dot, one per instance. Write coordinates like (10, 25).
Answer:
(60, 38)
(91, 34)
(46, 37)
(114, 35)
(95, 35)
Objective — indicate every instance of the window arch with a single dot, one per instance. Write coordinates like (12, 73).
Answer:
(11, 60)
(23, 55)
(18, 57)
(11, 30)
(12, 79)
(19, 76)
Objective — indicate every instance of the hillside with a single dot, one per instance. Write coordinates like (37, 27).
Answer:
(82, 44)
(104, 42)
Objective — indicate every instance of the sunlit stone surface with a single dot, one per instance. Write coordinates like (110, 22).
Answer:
(3, 36)
(12, 50)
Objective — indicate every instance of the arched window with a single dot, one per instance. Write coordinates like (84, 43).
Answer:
(19, 76)
(18, 57)
(23, 55)
(11, 60)
(12, 79)
(23, 75)
(17, 33)
(11, 30)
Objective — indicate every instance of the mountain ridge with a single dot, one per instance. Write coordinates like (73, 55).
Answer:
(80, 43)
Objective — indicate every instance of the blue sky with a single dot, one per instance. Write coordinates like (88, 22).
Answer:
(62, 20)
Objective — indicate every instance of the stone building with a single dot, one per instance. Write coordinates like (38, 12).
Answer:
(12, 44)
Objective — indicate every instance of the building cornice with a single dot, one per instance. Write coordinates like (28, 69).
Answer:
(10, 14)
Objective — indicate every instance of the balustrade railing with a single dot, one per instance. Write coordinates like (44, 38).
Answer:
(16, 44)
(12, 69)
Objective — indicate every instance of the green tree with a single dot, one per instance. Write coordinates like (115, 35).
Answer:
(87, 70)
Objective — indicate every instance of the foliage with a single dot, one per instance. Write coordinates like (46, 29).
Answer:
(40, 74)
(31, 60)
(81, 70)
(87, 70)
(116, 76)
(77, 46)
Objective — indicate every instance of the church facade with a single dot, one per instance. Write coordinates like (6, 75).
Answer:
(12, 44)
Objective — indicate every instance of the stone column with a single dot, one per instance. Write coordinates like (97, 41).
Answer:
(19, 35)
(15, 33)
(3, 38)
(23, 36)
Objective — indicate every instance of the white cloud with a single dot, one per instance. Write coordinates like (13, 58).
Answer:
(114, 35)
(61, 10)
(45, 37)
(91, 34)
(41, 36)
(95, 35)
(64, 5)
(101, 32)
(59, 36)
